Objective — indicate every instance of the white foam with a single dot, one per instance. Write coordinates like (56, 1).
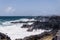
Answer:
(9, 22)
(25, 19)
(15, 31)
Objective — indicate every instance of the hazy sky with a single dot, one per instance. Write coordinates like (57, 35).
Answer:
(29, 7)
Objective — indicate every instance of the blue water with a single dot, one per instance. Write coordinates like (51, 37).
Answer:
(9, 18)
(12, 18)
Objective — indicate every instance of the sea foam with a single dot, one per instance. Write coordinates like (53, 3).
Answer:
(15, 31)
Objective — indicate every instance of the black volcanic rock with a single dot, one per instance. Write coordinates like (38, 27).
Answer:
(26, 26)
(4, 37)
(52, 22)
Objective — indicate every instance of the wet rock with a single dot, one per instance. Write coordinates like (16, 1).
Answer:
(52, 22)
(26, 26)
(4, 37)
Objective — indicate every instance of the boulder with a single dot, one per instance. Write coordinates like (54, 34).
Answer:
(26, 26)
(4, 37)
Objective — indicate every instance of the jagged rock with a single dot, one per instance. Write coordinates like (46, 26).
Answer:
(4, 37)
(52, 22)
(26, 26)
(42, 22)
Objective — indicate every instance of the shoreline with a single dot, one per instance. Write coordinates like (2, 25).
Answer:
(43, 36)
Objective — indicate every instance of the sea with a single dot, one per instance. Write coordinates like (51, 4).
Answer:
(14, 31)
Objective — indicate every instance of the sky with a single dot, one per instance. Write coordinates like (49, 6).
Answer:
(29, 7)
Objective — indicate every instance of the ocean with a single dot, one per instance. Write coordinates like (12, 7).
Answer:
(6, 19)
(14, 31)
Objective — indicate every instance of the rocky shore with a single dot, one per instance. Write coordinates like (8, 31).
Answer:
(44, 23)
(44, 36)
(48, 23)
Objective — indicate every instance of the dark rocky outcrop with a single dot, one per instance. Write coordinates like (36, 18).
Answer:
(4, 37)
(47, 23)
(26, 26)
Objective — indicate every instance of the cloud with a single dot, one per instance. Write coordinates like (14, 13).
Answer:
(9, 9)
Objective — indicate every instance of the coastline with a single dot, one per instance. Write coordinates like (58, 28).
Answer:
(43, 36)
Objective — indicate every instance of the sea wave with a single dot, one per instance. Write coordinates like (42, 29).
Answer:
(14, 31)
(7, 23)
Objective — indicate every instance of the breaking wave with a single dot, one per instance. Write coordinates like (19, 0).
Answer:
(14, 31)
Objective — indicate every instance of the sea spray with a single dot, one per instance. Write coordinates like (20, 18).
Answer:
(14, 31)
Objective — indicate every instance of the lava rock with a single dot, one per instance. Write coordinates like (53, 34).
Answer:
(4, 37)
(26, 26)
